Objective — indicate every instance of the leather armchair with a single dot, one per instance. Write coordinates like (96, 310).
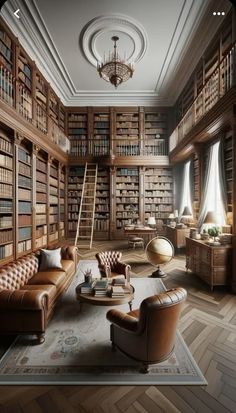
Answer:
(148, 334)
(109, 262)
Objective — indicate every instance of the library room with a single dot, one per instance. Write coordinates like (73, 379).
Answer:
(117, 218)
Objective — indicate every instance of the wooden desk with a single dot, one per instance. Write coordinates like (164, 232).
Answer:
(150, 232)
(213, 264)
(177, 236)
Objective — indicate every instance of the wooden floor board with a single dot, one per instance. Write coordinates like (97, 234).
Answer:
(208, 325)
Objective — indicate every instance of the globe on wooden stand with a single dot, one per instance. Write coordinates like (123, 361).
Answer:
(159, 251)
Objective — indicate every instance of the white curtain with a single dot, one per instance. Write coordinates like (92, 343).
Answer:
(186, 190)
(212, 193)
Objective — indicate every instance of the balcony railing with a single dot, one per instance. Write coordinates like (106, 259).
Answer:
(121, 147)
(216, 86)
(25, 105)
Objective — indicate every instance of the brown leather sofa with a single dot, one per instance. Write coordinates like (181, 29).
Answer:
(28, 297)
(110, 264)
(148, 335)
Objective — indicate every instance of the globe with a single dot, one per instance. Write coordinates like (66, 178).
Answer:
(159, 251)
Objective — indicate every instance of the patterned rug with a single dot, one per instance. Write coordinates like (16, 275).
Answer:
(77, 349)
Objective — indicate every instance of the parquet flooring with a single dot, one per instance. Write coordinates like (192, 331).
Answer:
(208, 325)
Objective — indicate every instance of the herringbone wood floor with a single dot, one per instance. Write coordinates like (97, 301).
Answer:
(208, 325)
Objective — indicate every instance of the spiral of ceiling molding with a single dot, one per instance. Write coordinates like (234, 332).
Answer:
(127, 28)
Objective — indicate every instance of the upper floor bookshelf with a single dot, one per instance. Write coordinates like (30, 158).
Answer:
(23, 87)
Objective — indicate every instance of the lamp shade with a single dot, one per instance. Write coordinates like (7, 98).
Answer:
(171, 216)
(151, 221)
(210, 218)
(186, 212)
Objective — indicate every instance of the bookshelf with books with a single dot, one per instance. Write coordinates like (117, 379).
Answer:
(53, 106)
(78, 133)
(53, 202)
(41, 201)
(41, 93)
(62, 203)
(127, 130)
(75, 183)
(100, 144)
(158, 196)
(196, 183)
(62, 118)
(24, 197)
(229, 171)
(25, 85)
(126, 197)
(102, 204)
(156, 133)
(6, 66)
(6, 198)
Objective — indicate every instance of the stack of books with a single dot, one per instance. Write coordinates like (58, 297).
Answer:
(121, 282)
(86, 287)
(100, 288)
(117, 291)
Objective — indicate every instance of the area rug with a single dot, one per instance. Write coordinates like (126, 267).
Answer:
(77, 349)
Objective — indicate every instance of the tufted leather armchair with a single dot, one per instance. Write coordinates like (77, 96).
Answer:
(28, 297)
(109, 262)
(148, 334)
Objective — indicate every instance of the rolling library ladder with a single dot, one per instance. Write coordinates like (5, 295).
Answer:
(84, 233)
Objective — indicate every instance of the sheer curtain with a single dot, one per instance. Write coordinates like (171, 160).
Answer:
(212, 199)
(186, 190)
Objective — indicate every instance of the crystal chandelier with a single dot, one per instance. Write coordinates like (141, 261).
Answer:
(114, 69)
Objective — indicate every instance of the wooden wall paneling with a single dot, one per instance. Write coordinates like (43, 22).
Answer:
(234, 203)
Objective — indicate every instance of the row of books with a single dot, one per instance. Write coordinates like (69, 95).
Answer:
(24, 220)
(53, 172)
(40, 208)
(6, 251)
(53, 237)
(53, 181)
(6, 176)
(24, 194)
(162, 193)
(6, 236)
(41, 219)
(24, 169)
(41, 197)
(53, 199)
(41, 241)
(6, 206)
(24, 181)
(40, 176)
(53, 219)
(40, 231)
(73, 117)
(53, 190)
(24, 156)
(161, 208)
(6, 161)
(53, 210)
(6, 51)
(101, 224)
(41, 165)
(151, 186)
(127, 118)
(6, 222)
(6, 145)
(157, 179)
(24, 246)
(24, 233)
(164, 200)
(6, 190)
(24, 207)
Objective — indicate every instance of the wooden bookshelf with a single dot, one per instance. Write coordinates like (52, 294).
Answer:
(62, 118)
(158, 184)
(25, 85)
(41, 201)
(53, 106)
(24, 197)
(41, 93)
(53, 233)
(156, 133)
(6, 50)
(75, 183)
(100, 144)
(6, 199)
(196, 184)
(102, 205)
(62, 204)
(127, 196)
(127, 135)
(78, 133)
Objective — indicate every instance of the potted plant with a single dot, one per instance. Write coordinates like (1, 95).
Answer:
(214, 232)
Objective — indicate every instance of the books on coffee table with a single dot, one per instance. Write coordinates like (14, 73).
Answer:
(117, 291)
(119, 281)
(100, 287)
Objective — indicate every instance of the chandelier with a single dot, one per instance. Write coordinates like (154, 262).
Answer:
(114, 69)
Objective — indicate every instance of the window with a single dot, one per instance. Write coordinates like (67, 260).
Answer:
(186, 192)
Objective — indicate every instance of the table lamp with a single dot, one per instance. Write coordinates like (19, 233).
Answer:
(151, 222)
(210, 218)
(186, 215)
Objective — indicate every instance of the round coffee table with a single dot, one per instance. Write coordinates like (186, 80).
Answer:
(106, 300)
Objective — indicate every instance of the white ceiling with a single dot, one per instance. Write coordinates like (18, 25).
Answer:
(164, 30)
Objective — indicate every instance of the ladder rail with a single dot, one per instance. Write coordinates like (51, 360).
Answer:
(94, 202)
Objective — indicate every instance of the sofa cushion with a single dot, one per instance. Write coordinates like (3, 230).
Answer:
(16, 274)
(48, 277)
(50, 259)
(68, 265)
(50, 289)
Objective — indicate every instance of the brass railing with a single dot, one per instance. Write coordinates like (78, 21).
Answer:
(221, 80)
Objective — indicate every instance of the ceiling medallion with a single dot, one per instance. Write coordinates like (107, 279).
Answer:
(102, 27)
(114, 69)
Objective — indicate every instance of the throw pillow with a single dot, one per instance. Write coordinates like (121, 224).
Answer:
(50, 259)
